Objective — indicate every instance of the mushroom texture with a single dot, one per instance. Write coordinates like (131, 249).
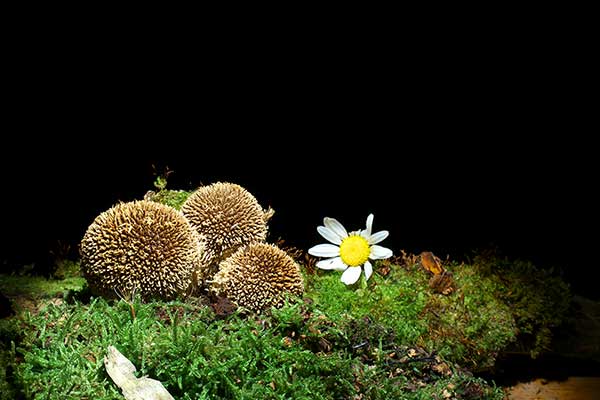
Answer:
(228, 216)
(258, 276)
(143, 247)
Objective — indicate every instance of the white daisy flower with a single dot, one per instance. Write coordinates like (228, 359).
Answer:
(349, 251)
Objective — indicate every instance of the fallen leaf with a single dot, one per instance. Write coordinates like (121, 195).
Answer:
(443, 283)
(431, 263)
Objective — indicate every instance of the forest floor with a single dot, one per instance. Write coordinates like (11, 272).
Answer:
(565, 374)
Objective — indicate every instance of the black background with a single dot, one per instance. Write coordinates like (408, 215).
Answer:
(455, 143)
(429, 194)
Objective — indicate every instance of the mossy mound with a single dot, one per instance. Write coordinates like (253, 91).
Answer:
(539, 299)
(392, 337)
(469, 326)
(196, 355)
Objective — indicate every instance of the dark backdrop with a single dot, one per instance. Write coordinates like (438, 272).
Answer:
(454, 142)
(432, 192)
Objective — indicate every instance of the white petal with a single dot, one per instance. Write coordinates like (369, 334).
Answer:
(335, 264)
(368, 270)
(324, 250)
(335, 226)
(377, 237)
(379, 252)
(329, 235)
(351, 275)
(370, 223)
(365, 234)
(325, 264)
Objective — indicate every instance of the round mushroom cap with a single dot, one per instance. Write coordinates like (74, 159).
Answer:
(257, 277)
(141, 247)
(228, 216)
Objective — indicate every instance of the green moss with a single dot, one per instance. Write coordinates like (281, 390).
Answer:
(395, 302)
(173, 198)
(339, 342)
(66, 269)
(7, 387)
(196, 355)
(37, 287)
(471, 326)
(538, 299)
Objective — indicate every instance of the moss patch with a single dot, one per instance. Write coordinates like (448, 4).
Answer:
(469, 327)
(198, 356)
(173, 198)
(28, 293)
(472, 325)
(538, 299)
(389, 338)
(37, 287)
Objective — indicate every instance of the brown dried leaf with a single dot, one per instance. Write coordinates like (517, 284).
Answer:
(443, 283)
(442, 368)
(431, 263)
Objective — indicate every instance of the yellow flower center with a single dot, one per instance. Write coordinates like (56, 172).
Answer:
(354, 250)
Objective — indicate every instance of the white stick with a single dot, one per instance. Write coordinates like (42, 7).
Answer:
(121, 370)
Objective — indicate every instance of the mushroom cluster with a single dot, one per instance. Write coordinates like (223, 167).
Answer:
(216, 242)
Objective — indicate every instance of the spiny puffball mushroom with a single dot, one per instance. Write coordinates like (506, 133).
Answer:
(142, 247)
(228, 216)
(258, 276)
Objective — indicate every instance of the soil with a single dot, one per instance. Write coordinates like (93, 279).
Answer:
(573, 388)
